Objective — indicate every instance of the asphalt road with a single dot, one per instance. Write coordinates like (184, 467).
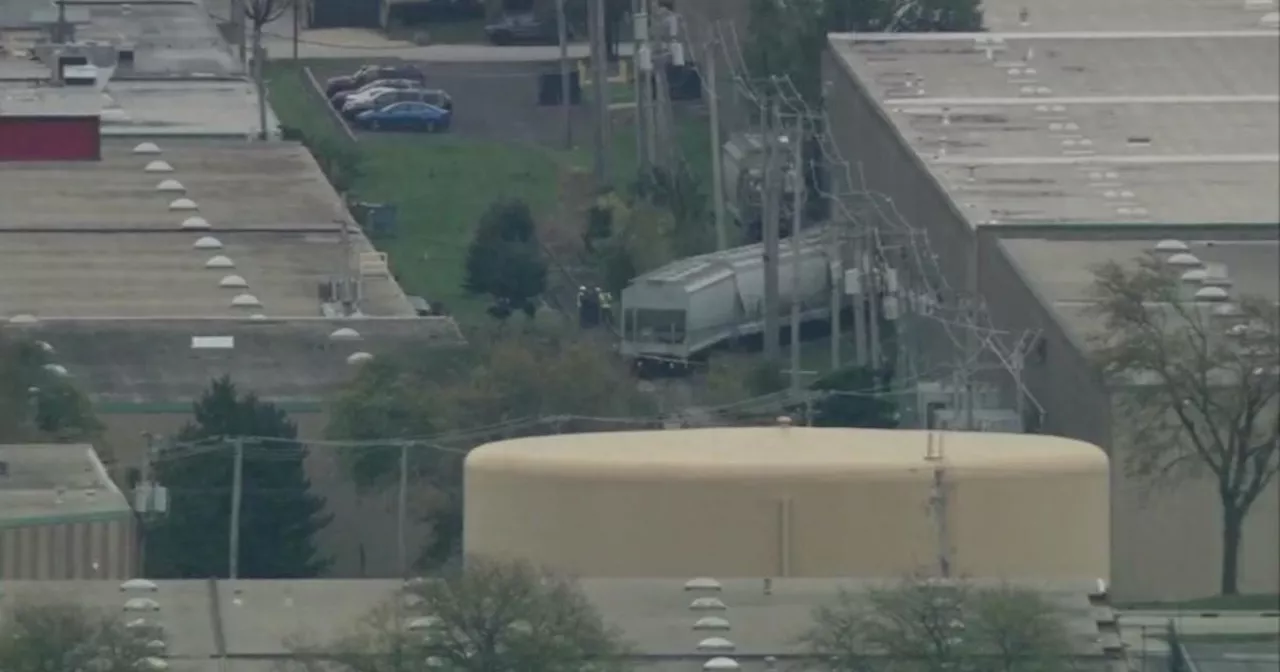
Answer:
(496, 101)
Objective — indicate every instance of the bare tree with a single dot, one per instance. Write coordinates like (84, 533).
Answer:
(1196, 384)
(260, 13)
(922, 625)
(38, 637)
(493, 616)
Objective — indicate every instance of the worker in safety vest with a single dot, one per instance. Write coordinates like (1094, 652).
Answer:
(606, 306)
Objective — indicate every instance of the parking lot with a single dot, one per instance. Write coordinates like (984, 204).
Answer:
(493, 101)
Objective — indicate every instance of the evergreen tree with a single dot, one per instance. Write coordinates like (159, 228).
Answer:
(279, 515)
(505, 259)
(857, 398)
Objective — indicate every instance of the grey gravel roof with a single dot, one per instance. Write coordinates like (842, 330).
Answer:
(1088, 127)
(37, 472)
(153, 361)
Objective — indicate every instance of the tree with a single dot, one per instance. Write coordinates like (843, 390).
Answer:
(857, 399)
(921, 625)
(492, 616)
(38, 402)
(279, 514)
(260, 13)
(1196, 383)
(55, 637)
(505, 259)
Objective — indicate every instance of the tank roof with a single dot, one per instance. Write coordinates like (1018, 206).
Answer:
(786, 451)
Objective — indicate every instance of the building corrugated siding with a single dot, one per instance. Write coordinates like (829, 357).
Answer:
(93, 549)
(50, 138)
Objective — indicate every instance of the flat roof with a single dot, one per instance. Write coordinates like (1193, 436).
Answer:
(55, 482)
(258, 617)
(160, 274)
(170, 38)
(236, 184)
(1087, 127)
(137, 361)
(1060, 271)
(783, 450)
(1004, 15)
(174, 108)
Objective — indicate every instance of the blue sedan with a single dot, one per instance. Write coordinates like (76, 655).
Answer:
(406, 116)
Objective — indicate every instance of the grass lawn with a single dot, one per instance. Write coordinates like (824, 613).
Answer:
(1216, 603)
(440, 184)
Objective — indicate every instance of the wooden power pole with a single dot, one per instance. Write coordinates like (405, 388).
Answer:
(769, 225)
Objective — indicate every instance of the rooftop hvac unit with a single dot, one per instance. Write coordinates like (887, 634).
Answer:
(374, 263)
(339, 290)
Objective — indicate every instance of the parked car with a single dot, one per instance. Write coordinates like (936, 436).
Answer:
(382, 98)
(407, 116)
(523, 29)
(371, 73)
(340, 99)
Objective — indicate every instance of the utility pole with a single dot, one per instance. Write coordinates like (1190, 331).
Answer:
(873, 281)
(565, 106)
(641, 68)
(717, 150)
(237, 496)
(797, 221)
(348, 290)
(402, 513)
(599, 84)
(836, 266)
(861, 258)
(938, 499)
(663, 94)
(296, 19)
(769, 225)
(237, 26)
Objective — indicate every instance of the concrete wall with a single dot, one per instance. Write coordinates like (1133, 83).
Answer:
(105, 548)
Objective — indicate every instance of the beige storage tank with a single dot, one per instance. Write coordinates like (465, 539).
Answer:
(790, 501)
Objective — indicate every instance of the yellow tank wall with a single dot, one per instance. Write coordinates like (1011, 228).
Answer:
(1044, 525)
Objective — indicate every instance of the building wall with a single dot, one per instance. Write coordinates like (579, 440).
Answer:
(49, 138)
(92, 549)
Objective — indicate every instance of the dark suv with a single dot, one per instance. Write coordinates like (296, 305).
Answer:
(435, 97)
(371, 73)
(523, 29)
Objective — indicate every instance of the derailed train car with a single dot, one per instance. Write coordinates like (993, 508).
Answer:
(678, 312)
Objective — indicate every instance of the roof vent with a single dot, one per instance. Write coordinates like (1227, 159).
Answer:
(1216, 276)
(141, 604)
(213, 342)
(344, 334)
(246, 300)
(219, 261)
(170, 185)
(707, 604)
(146, 148)
(423, 623)
(158, 167)
(234, 281)
(359, 358)
(711, 623)
(208, 243)
(44, 345)
(1195, 275)
(138, 586)
(153, 663)
(716, 644)
(1271, 20)
(720, 664)
(23, 318)
(1185, 260)
(183, 204)
(1259, 4)
(1171, 246)
(257, 317)
(1211, 294)
(56, 369)
(702, 584)
(195, 224)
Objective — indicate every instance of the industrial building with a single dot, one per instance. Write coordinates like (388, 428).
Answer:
(1062, 139)
(252, 626)
(61, 517)
(154, 243)
(791, 502)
